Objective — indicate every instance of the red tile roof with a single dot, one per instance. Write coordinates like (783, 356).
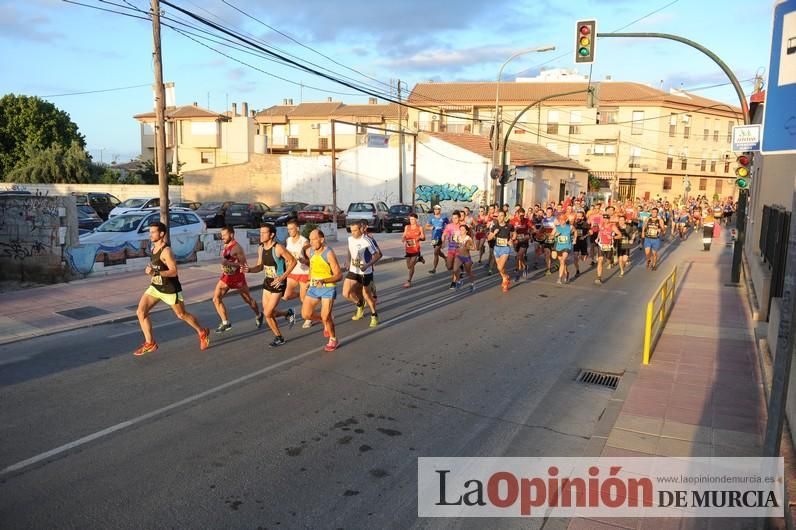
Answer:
(182, 113)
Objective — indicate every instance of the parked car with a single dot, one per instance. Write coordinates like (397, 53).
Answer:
(102, 203)
(87, 218)
(134, 226)
(245, 214)
(135, 205)
(321, 213)
(283, 212)
(214, 213)
(372, 212)
(15, 192)
(397, 217)
(193, 205)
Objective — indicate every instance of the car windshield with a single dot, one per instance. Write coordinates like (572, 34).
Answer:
(211, 206)
(81, 199)
(360, 207)
(133, 203)
(86, 210)
(122, 223)
(314, 208)
(400, 208)
(282, 208)
(239, 207)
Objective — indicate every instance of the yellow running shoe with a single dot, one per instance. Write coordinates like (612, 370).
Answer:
(360, 312)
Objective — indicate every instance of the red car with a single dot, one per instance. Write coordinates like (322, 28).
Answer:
(321, 213)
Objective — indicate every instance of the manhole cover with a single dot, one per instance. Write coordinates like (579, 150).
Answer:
(82, 313)
(604, 379)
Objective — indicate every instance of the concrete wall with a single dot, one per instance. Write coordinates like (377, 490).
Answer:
(259, 180)
(120, 191)
(35, 233)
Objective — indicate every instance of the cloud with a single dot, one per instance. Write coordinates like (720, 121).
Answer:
(236, 74)
(442, 59)
(18, 26)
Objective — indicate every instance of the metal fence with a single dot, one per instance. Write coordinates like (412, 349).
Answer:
(774, 234)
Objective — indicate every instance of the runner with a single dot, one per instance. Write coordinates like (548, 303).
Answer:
(450, 237)
(324, 274)
(682, 223)
(436, 224)
(502, 234)
(491, 220)
(651, 232)
(412, 236)
(595, 218)
(232, 258)
(628, 237)
(165, 286)
(362, 254)
(463, 258)
(549, 230)
(298, 279)
(522, 229)
(276, 263)
(480, 232)
(581, 247)
(605, 245)
(565, 233)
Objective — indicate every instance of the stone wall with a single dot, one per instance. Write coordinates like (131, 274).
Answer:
(258, 180)
(35, 234)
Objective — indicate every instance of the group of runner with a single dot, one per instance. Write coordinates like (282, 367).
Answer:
(600, 235)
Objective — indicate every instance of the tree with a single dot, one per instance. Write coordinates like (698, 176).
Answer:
(29, 126)
(149, 175)
(54, 164)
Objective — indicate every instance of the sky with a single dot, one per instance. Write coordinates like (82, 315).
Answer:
(56, 50)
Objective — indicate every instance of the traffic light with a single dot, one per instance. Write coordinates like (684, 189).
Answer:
(584, 44)
(742, 171)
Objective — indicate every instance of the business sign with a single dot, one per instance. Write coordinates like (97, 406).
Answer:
(378, 140)
(779, 114)
(746, 138)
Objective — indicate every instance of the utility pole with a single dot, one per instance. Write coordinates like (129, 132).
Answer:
(160, 120)
(400, 148)
(334, 174)
(414, 170)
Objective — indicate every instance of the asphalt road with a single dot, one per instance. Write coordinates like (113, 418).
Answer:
(245, 436)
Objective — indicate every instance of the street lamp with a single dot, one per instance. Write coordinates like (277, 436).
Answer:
(496, 142)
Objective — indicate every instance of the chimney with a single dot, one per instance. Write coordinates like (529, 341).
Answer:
(372, 101)
(329, 99)
(244, 110)
(284, 101)
(253, 113)
(290, 101)
(195, 104)
(234, 109)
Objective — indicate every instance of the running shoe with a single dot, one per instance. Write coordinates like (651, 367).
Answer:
(147, 347)
(278, 341)
(432, 271)
(374, 321)
(548, 272)
(490, 272)
(459, 284)
(472, 287)
(452, 286)
(225, 327)
(331, 345)
(291, 318)
(204, 339)
(407, 285)
(621, 273)
(598, 281)
(259, 320)
(505, 287)
(422, 260)
(360, 312)
(517, 277)
(525, 274)
(558, 281)
(307, 324)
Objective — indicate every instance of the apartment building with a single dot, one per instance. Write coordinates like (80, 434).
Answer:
(307, 127)
(640, 141)
(197, 138)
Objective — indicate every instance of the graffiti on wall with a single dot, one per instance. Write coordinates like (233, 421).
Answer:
(19, 250)
(439, 193)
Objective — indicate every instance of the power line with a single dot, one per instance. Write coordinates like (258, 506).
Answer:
(96, 91)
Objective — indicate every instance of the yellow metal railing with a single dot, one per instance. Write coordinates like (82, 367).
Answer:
(658, 309)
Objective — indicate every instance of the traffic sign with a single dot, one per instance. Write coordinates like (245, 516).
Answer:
(779, 114)
(746, 138)
(378, 140)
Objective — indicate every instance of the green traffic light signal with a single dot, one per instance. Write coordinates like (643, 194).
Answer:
(742, 183)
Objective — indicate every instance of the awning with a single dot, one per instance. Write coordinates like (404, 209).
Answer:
(603, 175)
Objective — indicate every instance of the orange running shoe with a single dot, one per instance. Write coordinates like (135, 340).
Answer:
(204, 339)
(331, 345)
(147, 347)
(505, 287)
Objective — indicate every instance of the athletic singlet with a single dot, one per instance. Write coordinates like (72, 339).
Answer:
(320, 268)
(452, 231)
(581, 228)
(564, 236)
(627, 235)
(166, 285)
(503, 235)
(230, 270)
(296, 248)
(605, 236)
(273, 265)
(437, 226)
(463, 250)
(522, 227)
(595, 220)
(653, 228)
(480, 224)
(717, 212)
(549, 227)
(412, 235)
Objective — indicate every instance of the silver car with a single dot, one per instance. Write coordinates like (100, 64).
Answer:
(373, 213)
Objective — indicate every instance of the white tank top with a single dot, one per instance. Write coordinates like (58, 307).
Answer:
(294, 247)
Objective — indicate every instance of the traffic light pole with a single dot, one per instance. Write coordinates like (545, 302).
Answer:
(735, 275)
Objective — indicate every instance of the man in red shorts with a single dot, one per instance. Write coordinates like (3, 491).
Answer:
(232, 277)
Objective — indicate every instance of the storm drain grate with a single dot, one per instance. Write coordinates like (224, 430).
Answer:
(603, 379)
(82, 313)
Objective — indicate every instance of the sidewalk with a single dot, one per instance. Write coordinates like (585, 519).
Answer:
(702, 393)
(66, 306)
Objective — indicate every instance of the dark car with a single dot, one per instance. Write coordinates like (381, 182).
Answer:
(245, 214)
(214, 213)
(321, 213)
(397, 217)
(193, 205)
(87, 218)
(102, 203)
(15, 192)
(373, 213)
(283, 212)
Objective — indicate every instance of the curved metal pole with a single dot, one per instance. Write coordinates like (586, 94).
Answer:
(726, 69)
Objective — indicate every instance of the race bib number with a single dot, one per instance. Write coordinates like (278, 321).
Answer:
(502, 242)
(606, 248)
(563, 239)
(652, 232)
(157, 280)
(435, 242)
(411, 243)
(578, 232)
(229, 269)
(270, 272)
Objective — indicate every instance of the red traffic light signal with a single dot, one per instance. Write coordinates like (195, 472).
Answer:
(744, 161)
(584, 41)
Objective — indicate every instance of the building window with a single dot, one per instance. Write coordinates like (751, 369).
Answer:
(703, 184)
(607, 116)
(604, 148)
(638, 122)
(729, 130)
(718, 187)
(684, 159)
(672, 125)
(716, 130)
(703, 163)
(670, 158)
(706, 130)
(635, 157)
(686, 125)
(552, 122)
(292, 143)
(713, 159)
(667, 183)
(207, 157)
(323, 144)
(574, 122)
(574, 150)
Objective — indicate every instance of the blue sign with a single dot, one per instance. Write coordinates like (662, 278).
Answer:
(779, 115)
